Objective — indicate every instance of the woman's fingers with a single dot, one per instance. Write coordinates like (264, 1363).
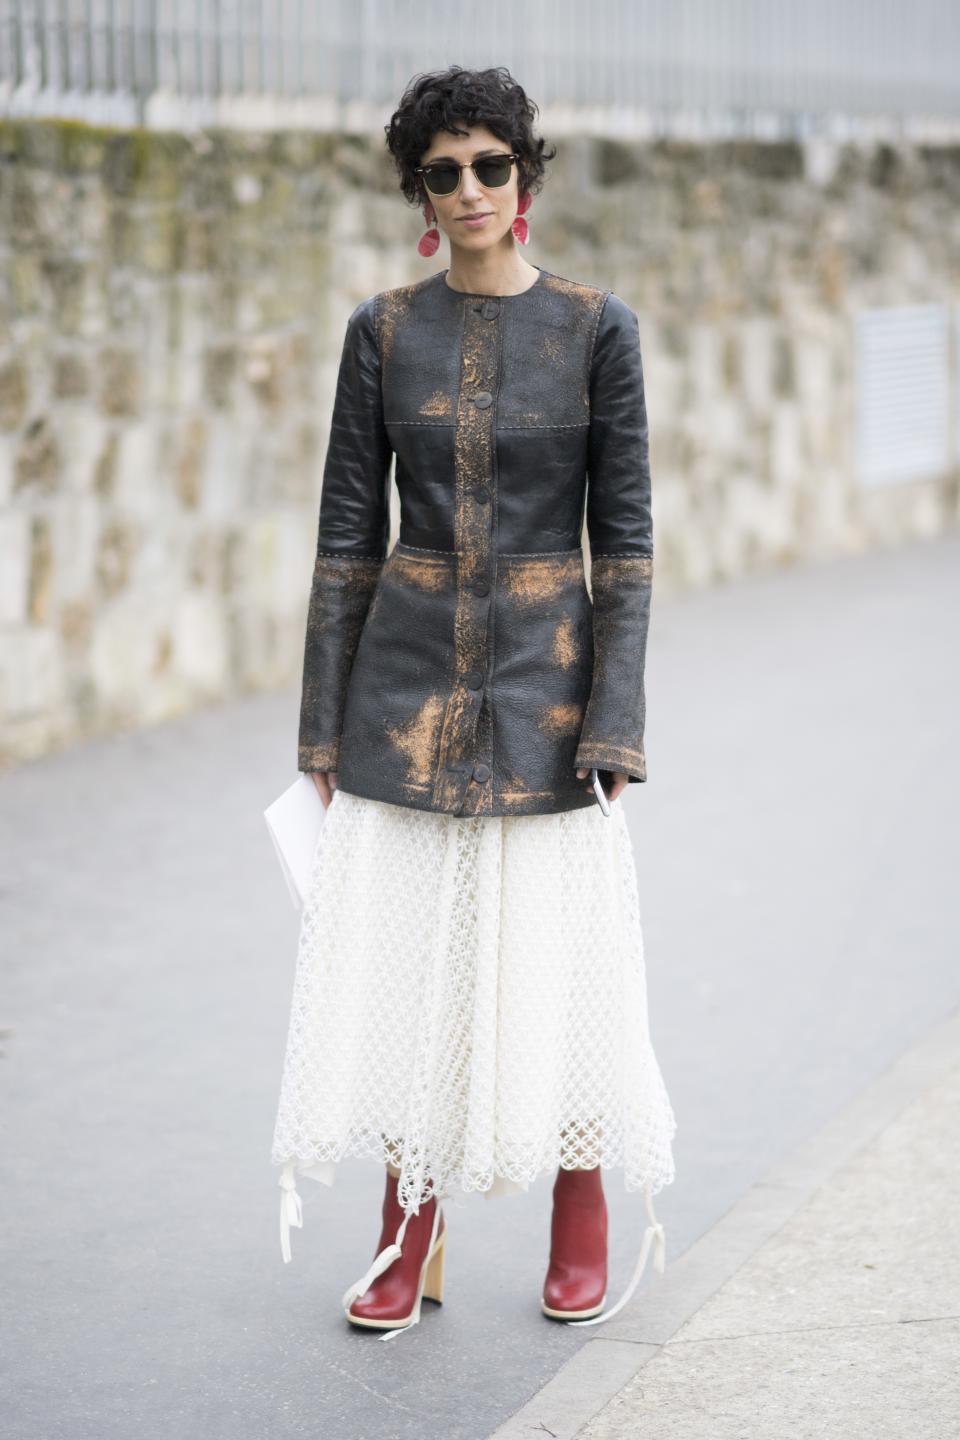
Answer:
(620, 779)
(326, 783)
(620, 782)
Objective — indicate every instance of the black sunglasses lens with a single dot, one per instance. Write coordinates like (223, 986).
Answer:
(494, 171)
(442, 179)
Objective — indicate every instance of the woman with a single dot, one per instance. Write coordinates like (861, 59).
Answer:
(470, 1002)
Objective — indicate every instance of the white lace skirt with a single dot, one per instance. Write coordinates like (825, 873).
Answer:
(470, 1004)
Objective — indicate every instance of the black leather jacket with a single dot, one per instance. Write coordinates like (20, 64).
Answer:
(470, 670)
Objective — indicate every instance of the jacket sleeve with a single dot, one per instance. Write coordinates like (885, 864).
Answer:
(351, 542)
(620, 529)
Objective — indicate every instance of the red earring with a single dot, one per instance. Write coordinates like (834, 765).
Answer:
(429, 241)
(520, 227)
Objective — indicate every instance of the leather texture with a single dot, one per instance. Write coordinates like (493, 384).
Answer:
(576, 1278)
(472, 669)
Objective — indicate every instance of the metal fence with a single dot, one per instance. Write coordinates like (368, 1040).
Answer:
(702, 67)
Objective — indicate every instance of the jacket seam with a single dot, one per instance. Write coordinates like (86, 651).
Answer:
(348, 555)
(451, 425)
(502, 554)
(376, 336)
(422, 549)
(593, 338)
(534, 554)
(601, 747)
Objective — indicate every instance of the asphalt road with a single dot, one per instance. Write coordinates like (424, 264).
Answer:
(797, 852)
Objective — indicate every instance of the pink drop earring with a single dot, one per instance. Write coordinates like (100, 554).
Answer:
(520, 227)
(429, 241)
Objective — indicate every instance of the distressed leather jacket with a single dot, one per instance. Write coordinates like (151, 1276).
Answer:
(470, 670)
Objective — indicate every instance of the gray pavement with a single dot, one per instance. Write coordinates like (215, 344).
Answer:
(796, 849)
(845, 1323)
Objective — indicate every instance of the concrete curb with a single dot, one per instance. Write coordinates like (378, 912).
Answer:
(591, 1378)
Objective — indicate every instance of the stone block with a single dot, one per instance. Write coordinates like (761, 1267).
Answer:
(30, 672)
(41, 582)
(119, 388)
(14, 566)
(14, 393)
(75, 523)
(120, 654)
(38, 463)
(199, 642)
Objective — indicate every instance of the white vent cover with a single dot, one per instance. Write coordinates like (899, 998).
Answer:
(902, 379)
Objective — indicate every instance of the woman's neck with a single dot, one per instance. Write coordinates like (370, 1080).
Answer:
(490, 273)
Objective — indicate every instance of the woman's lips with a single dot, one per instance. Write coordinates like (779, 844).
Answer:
(473, 222)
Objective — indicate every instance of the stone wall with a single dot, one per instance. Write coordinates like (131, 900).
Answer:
(171, 315)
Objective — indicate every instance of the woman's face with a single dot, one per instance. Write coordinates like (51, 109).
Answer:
(498, 203)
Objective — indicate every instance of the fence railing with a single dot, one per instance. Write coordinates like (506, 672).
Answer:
(774, 67)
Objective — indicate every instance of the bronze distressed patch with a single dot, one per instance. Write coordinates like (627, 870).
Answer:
(515, 789)
(577, 290)
(393, 306)
(319, 757)
(514, 797)
(552, 348)
(612, 734)
(621, 569)
(532, 580)
(565, 649)
(588, 301)
(473, 457)
(430, 573)
(340, 598)
(417, 739)
(437, 405)
(625, 758)
(353, 573)
(415, 794)
(560, 720)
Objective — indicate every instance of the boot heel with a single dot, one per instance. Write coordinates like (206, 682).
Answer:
(433, 1284)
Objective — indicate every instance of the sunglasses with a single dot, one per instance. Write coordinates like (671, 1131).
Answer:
(444, 177)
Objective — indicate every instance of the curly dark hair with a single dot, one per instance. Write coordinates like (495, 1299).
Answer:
(453, 98)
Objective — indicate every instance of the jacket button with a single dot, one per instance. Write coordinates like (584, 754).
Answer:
(474, 679)
(481, 771)
(481, 587)
(481, 495)
(482, 399)
(490, 310)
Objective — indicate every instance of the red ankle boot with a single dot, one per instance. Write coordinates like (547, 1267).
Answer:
(407, 1268)
(576, 1283)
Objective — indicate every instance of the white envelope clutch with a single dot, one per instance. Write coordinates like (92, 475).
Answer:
(294, 820)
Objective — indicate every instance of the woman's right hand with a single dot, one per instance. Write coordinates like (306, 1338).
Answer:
(326, 783)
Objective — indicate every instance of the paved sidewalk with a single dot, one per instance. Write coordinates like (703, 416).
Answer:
(845, 1321)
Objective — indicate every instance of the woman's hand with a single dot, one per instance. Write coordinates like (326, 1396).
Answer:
(326, 783)
(620, 780)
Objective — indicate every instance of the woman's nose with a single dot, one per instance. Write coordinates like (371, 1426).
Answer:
(470, 187)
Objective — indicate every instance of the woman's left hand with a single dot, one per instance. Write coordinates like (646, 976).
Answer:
(620, 779)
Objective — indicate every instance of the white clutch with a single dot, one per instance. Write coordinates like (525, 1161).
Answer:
(294, 820)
